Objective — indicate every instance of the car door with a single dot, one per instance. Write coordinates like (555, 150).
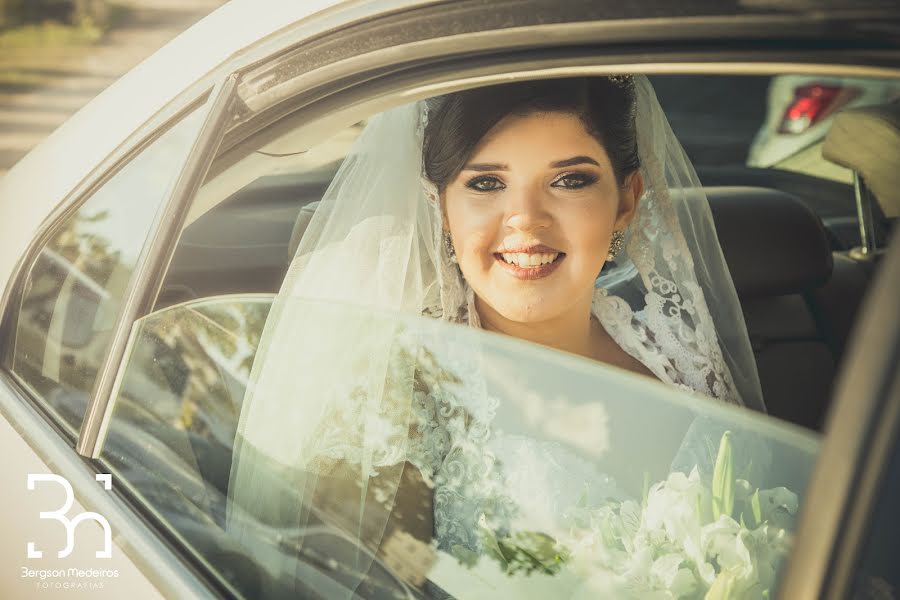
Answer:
(59, 334)
(847, 541)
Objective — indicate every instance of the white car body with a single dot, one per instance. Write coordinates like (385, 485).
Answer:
(29, 195)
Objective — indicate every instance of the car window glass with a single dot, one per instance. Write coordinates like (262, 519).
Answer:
(73, 292)
(178, 406)
(248, 217)
(176, 410)
(603, 468)
(777, 122)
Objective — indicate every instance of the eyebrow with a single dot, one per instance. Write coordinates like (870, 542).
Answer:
(568, 162)
(575, 160)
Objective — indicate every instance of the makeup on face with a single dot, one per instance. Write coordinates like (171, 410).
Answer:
(531, 214)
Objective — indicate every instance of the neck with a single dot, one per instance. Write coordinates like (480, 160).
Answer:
(575, 331)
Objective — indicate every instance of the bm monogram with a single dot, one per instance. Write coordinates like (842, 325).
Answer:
(71, 524)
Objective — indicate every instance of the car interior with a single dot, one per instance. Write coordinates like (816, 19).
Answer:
(799, 284)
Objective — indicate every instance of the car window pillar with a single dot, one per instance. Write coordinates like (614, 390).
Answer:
(153, 262)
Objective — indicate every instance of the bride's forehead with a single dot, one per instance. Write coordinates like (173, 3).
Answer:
(519, 133)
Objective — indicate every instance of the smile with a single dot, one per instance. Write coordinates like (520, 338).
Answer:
(529, 265)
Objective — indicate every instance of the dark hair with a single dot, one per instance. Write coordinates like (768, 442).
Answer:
(457, 122)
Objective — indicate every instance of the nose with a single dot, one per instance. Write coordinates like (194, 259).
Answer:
(526, 209)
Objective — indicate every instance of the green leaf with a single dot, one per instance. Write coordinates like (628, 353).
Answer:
(723, 479)
(583, 499)
(466, 557)
(723, 586)
(534, 551)
(646, 489)
(756, 508)
(492, 547)
(698, 508)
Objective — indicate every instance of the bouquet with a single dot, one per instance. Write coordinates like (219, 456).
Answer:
(685, 539)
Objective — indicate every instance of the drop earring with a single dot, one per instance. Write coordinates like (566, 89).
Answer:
(448, 245)
(616, 244)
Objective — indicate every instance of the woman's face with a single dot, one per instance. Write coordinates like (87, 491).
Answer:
(531, 216)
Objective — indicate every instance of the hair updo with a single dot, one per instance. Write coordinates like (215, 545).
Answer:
(457, 122)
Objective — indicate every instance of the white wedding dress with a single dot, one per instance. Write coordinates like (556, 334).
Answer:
(484, 476)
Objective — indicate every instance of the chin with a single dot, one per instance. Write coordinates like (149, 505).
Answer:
(526, 312)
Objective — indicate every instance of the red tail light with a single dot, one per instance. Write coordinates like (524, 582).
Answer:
(812, 103)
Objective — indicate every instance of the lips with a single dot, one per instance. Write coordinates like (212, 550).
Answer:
(529, 262)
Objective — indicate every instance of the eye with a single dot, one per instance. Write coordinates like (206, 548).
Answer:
(574, 181)
(485, 183)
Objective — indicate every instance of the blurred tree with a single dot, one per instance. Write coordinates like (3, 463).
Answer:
(72, 12)
(94, 11)
(11, 13)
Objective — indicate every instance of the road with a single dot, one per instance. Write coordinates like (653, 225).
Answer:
(68, 78)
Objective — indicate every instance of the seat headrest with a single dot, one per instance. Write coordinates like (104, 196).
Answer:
(773, 243)
(867, 140)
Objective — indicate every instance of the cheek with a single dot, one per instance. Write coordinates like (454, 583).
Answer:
(474, 231)
(587, 229)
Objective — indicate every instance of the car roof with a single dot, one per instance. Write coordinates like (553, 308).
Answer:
(40, 181)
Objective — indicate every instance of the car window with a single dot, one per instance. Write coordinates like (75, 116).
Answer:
(175, 413)
(247, 219)
(171, 434)
(73, 291)
(170, 440)
(776, 122)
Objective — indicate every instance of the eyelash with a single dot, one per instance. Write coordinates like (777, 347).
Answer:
(582, 180)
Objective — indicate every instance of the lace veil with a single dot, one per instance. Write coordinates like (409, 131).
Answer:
(331, 427)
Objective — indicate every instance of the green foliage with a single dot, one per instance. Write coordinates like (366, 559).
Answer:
(35, 24)
(466, 557)
(51, 35)
(723, 587)
(525, 552)
(755, 509)
(723, 479)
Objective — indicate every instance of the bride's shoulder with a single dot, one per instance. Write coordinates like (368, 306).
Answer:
(656, 347)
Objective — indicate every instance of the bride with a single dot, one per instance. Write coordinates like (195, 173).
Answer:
(562, 212)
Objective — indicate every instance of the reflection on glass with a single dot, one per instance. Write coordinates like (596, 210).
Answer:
(75, 287)
(447, 461)
(176, 410)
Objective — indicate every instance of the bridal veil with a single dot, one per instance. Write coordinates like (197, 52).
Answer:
(330, 412)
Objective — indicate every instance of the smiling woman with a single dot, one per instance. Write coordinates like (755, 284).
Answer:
(504, 226)
(537, 180)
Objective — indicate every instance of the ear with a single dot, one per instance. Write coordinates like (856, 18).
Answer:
(629, 198)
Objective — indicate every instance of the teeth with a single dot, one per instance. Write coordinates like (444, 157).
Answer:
(521, 259)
